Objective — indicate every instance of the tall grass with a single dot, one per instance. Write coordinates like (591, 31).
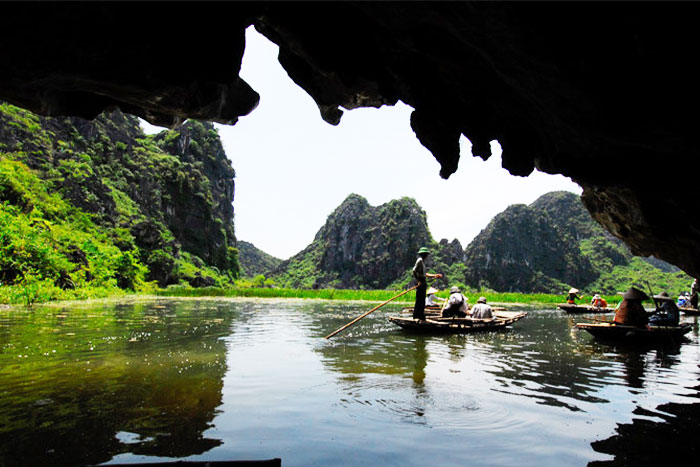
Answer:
(264, 292)
(367, 295)
(44, 291)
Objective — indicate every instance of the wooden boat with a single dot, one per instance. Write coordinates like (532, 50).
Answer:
(689, 310)
(436, 310)
(623, 333)
(571, 308)
(458, 325)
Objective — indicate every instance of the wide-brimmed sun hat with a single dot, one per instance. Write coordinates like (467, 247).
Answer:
(454, 289)
(596, 297)
(481, 300)
(635, 294)
(432, 290)
(663, 296)
(423, 250)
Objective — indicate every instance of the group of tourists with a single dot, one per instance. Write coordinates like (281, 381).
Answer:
(689, 299)
(667, 311)
(631, 312)
(596, 300)
(455, 306)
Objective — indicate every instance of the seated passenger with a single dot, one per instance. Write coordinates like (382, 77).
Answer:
(630, 310)
(481, 310)
(598, 301)
(682, 301)
(432, 299)
(573, 296)
(667, 313)
(456, 305)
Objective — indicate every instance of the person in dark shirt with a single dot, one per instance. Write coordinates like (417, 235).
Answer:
(694, 289)
(421, 278)
(667, 313)
(573, 296)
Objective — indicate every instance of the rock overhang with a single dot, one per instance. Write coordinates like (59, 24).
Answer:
(601, 93)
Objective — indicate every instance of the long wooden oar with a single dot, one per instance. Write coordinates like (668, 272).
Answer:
(656, 304)
(444, 305)
(370, 311)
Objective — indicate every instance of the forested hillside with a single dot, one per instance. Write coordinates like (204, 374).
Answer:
(99, 204)
(92, 207)
(553, 244)
(545, 247)
(254, 261)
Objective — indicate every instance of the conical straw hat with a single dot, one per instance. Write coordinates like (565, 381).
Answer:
(635, 294)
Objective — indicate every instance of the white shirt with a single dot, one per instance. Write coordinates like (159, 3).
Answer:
(455, 298)
(482, 311)
(432, 300)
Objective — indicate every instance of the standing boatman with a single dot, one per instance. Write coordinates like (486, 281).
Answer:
(421, 277)
(694, 288)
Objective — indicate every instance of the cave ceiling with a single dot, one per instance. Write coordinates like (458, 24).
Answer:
(603, 93)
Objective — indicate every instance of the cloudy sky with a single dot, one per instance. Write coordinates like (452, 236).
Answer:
(293, 169)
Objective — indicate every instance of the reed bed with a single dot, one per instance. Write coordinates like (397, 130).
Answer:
(364, 295)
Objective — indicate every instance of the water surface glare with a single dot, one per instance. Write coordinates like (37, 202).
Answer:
(230, 379)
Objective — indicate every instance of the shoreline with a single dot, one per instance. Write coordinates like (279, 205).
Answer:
(245, 296)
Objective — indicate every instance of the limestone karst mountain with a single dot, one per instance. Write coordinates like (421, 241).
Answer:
(545, 247)
(360, 246)
(161, 204)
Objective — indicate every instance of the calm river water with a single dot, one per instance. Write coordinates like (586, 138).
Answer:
(150, 381)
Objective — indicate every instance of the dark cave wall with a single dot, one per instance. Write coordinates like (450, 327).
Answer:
(600, 92)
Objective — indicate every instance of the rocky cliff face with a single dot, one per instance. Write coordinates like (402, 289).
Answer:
(360, 246)
(545, 247)
(552, 244)
(198, 207)
(168, 195)
(528, 249)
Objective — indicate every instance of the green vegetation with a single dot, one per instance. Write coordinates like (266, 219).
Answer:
(96, 208)
(267, 292)
(554, 244)
(639, 272)
(91, 209)
(253, 261)
(51, 250)
(359, 247)
(365, 295)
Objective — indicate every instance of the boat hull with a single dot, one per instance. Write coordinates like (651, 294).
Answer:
(689, 310)
(570, 308)
(437, 325)
(622, 333)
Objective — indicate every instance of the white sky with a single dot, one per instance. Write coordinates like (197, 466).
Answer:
(293, 169)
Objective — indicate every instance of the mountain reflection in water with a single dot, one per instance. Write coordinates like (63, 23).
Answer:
(255, 379)
(79, 386)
